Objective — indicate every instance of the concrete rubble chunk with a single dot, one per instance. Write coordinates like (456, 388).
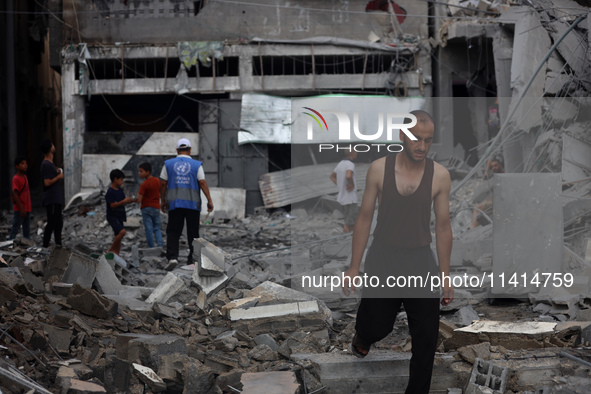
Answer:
(149, 377)
(59, 338)
(105, 278)
(472, 352)
(210, 259)
(241, 303)
(257, 312)
(465, 316)
(77, 386)
(209, 284)
(168, 287)
(385, 371)
(148, 349)
(199, 379)
(90, 302)
(71, 267)
(270, 383)
(487, 377)
(267, 340)
(263, 352)
(142, 308)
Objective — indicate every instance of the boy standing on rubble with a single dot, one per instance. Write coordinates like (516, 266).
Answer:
(21, 197)
(149, 198)
(116, 214)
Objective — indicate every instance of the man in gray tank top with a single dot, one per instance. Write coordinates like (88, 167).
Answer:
(405, 186)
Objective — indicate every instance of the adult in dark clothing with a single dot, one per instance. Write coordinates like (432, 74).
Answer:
(404, 185)
(182, 180)
(53, 196)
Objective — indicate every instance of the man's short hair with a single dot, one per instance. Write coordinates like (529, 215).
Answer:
(116, 174)
(19, 159)
(422, 117)
(146, 167)
(46, 146)
(498, 160)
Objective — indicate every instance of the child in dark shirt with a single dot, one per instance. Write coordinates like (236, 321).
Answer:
(22, 200)
(116, 202)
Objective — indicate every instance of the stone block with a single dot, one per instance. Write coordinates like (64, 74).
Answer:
(149, 349)
(90, 302)
(263, 352)
(168, 287)
(198, 379)
(526, 204)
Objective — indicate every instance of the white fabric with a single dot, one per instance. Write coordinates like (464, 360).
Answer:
(200, 172)
(345, 197)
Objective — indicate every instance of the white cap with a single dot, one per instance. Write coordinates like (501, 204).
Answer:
(183, 143)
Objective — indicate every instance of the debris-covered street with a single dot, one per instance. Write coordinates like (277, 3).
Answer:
(191, 189)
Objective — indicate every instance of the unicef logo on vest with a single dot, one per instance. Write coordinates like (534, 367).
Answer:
(182, 168)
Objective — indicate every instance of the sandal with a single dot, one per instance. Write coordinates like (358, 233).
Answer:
(357, 347)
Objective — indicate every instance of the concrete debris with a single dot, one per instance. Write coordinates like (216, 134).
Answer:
(149, 377)
(487, 378)
(168, 287)
(90, 302)
(270, 382)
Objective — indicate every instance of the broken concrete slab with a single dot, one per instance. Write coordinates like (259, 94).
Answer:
(143, 309)
(242, 303)
(258, 312)
(210, 259)
(380, 372)
(105, 278)
(90, 302)
(168, 287)
(209, 284)
(77, 386)
(263, 352)
(59, 338)
(525, 204)
(81, 270)
(270, 382)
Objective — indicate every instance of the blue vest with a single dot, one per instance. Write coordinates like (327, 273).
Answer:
(183, 187)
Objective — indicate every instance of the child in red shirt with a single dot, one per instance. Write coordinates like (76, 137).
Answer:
(149, 198)
(22, 200)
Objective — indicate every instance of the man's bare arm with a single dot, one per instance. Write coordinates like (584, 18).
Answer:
(205, 188)
(333, 177)
(350, 181)
(363, 223)
(443, 233)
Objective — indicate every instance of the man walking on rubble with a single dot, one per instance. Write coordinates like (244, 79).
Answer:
(405, 185)
(183, 179)
(344, 177)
